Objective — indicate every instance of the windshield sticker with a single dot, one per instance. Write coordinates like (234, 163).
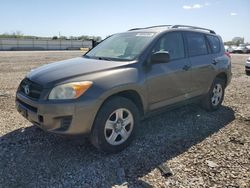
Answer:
(144, 34)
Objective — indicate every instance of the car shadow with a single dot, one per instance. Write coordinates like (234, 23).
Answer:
(31, 157)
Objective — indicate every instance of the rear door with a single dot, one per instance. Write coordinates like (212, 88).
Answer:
(202, 69)
(217, 50)
(168, 83)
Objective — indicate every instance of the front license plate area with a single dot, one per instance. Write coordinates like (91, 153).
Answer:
(22, 111)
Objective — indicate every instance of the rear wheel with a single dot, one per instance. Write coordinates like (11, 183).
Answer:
(213, 99)
(114, 125)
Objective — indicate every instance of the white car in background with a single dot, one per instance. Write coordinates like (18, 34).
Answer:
(247, 66)
(241, 49)
(226, 47)
(230, 49)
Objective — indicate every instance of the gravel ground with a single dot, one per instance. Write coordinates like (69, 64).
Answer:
(201, 149)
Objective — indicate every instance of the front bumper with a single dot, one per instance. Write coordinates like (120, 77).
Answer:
(69, 117)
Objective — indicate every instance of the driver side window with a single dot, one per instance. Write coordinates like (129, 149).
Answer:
(171, 43)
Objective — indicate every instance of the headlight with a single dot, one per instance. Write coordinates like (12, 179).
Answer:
(70, 90)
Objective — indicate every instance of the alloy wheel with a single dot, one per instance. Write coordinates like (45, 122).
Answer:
(217, 94)
(119, 126)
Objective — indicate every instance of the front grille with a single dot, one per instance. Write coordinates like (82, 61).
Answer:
(30, 89)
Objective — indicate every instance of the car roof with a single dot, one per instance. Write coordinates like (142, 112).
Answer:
(162, 28)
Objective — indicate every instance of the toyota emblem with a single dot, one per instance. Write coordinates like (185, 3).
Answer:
(27, 89)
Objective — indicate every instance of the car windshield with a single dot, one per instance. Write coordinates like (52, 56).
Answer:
(123, 47)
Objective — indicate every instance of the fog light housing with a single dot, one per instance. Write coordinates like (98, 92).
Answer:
(65, 122)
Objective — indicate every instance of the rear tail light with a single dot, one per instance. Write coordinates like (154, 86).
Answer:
(228, 54)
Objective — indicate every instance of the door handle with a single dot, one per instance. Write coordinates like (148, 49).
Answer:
(215, 62)
(186, 67)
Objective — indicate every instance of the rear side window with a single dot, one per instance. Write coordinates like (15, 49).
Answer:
(214, 43)
(173, 44)
(196, 44)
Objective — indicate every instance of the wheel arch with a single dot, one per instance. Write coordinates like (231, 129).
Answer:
(130, 94)
(222, 76)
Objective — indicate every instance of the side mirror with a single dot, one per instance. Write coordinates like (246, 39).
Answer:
(160, 57)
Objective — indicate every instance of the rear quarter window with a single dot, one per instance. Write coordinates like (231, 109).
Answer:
(214, 43)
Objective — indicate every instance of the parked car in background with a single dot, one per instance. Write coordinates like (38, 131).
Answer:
(226, 47)
(242, 49)
(231, 49)
(247, 66)
(248, 48)
(106, 92)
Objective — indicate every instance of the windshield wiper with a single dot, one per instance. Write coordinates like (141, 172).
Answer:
(96, 57)
(104, 58)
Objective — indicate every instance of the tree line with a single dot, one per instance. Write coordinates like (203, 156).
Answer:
(18, 34)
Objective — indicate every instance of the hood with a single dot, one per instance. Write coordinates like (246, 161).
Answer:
(63, 70)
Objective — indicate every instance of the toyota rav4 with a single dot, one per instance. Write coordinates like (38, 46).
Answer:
(106, 92)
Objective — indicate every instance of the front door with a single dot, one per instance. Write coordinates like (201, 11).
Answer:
(168, 83)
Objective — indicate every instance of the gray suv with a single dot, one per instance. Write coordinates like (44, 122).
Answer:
(106, 92)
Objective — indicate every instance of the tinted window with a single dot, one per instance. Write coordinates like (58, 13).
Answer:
(196, 44)
(173, 44)
(214, 43)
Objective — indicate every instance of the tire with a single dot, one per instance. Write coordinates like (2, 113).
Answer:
(213, 99)
(114, 126)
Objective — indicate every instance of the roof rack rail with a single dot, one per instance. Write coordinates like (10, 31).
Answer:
(192, 27)
(150, 27)
(134, 29)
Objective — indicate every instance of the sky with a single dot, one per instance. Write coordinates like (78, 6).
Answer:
(228, 18)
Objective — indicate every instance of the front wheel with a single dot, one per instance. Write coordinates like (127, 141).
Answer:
(213, 99)
(114, 125)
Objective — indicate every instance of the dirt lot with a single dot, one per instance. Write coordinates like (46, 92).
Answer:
(202, 149)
